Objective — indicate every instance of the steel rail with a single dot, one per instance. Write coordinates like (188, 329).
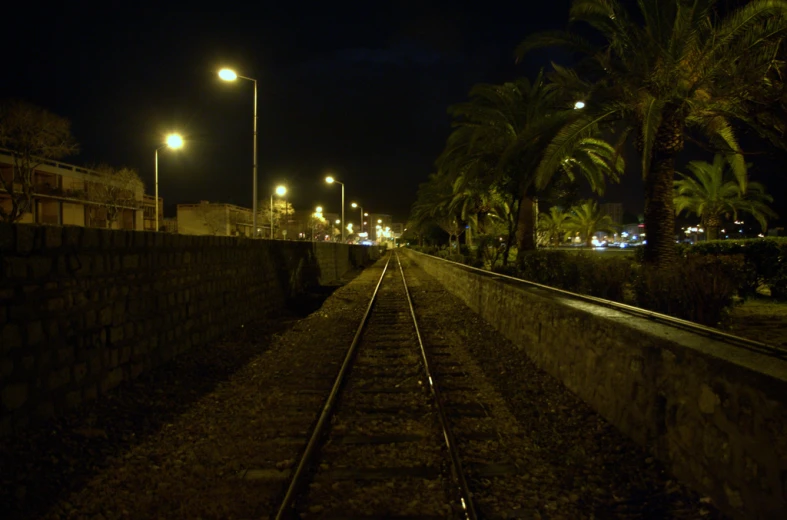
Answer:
(450, 443)
(327, 411)
(749, 344)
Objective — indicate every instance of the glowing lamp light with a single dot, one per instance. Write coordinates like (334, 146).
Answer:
(281, 191)
(318, 209)
(579, 105)
(228, 75)
(329, 180)
(174, 141)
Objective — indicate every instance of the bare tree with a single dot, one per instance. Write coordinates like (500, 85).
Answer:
(115, 190)
(33, 135)
(214, 218)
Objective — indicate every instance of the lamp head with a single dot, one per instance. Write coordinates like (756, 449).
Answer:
(228, 75)
(329, 179)
(354, 205)
(174, 141)
(281, 191)
(579, 105)
(338, 221)
(318, 209)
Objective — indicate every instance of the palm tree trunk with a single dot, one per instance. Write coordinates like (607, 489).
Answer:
(659, 211)
(526, 226)
(712, 226)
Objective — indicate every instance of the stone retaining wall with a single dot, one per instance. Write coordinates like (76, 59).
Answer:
(714, 413)
(83, 309)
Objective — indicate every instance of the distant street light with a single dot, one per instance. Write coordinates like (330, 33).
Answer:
(230, 75)
(579, 105)
(355, 205)
(173, 141)
(331, 180)
(280, 191)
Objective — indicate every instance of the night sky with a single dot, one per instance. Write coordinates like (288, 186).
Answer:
(360, 90)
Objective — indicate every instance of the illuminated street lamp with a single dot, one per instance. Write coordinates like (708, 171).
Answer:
(173, 141)
(280, 191)
(579, 105)
(331, 180)
(230, 75)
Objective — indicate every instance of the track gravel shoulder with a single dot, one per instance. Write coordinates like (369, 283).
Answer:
(570, 462)
(227, 453)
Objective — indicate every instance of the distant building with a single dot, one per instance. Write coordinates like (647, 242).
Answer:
(149, 212)
(65, 194)
(218, 219)
(614, 210)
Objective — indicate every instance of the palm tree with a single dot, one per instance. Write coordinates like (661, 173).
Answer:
(587, 219)
(500, 135)
(553, 225)
(683, 69)
(711, 192)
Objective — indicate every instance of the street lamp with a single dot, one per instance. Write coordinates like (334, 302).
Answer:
(173, 141)
(280, 191)
(230, 75)
(331, 180)
(579, 105)
(355, 205)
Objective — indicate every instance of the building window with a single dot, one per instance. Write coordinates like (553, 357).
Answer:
(48, 212)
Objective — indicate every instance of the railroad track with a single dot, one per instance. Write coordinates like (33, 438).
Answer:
(383, 445)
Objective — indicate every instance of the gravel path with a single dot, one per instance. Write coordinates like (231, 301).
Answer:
(179, 443)
(185, 441)
(575, 464)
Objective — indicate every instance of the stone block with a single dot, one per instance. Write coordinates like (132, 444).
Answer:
(6, 367)
(96, 367)
(14, 395)
(65, 355)
(130, 261)
(116, 335)
(7, 238)
(72, 236)
(10, 337)
(44, 411)
(80, 371)
(105, 316)
(137, 369)
(55, 304)
(14, 267)
(35, 333)
(90, 392)
(90, 239)
(111, 380)
(25, 238)
(59, 377)
(73, 399)
(118, 313)
(53, 237)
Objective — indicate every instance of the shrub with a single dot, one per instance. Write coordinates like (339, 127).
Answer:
(700, 289)
(581, 273)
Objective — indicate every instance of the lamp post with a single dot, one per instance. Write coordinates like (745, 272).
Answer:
(280, 191)
(173, 141)
(230, 75)
(331, 180)
(355, 205)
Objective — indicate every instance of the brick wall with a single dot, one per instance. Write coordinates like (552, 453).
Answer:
(715, 414)
(83, 309)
